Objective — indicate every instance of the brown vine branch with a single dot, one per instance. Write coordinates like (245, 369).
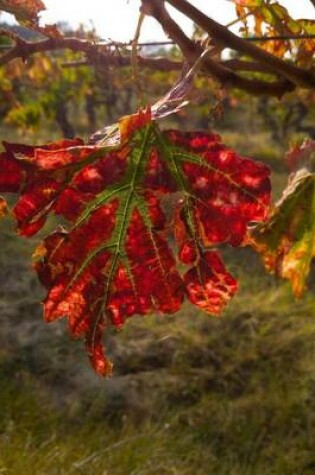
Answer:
(102, 55)
(192, 50)
(24, 49)
(236, 64)
(263, 39)
(258, 39)
(228, 39)
(96, 55)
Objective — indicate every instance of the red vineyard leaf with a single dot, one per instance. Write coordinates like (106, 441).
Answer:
(117, 258)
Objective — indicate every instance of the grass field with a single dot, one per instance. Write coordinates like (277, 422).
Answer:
(190, 395)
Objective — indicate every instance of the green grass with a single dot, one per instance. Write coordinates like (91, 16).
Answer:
(191, 395)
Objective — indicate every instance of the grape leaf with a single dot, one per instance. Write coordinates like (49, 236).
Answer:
(117, 257)
(287, 240)
(25, 11)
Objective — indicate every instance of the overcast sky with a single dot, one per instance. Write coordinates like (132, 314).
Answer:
(116, 19)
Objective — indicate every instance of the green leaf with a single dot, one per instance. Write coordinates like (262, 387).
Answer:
(287, 240)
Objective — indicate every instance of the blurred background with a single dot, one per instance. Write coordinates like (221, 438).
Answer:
(190, 394)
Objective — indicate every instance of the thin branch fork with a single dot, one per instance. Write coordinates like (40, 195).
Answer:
(226, 76)
(228, 39)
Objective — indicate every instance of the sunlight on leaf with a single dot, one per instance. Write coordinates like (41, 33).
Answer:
(118, 255)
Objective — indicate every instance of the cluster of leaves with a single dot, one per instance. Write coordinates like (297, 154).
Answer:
(273, 19)
(117, 258)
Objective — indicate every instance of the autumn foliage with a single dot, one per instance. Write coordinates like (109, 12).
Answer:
(143, 213)
(117, 257)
